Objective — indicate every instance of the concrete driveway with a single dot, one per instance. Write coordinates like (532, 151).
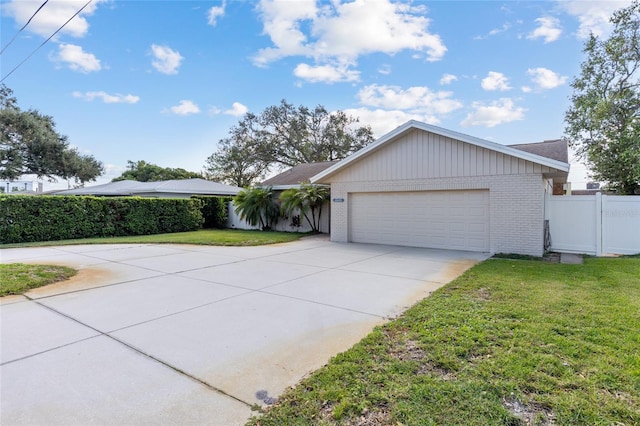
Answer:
(174, 334)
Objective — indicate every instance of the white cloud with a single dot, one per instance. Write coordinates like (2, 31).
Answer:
(549, 29)
(338, 33)
(386, 107)
(282, 22)
(326, 73)
(417, 98)
(166, 60)
(495, 81)
(384, 69)
(185, 107)
(505, 27)
(545, 78)
(107, 98)
(526, 89)
(77, 59)
(447, 79)
(237, 109)
(214, 13)
(494, 113)
(383, 121)
(593, 16)
(52, 16)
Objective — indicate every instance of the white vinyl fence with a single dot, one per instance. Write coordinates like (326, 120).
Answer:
(286, 225)
(594, 224)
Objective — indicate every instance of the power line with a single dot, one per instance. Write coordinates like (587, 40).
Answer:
(45, 42)
(23, 27)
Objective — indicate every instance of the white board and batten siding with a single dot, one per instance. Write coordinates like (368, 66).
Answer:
(457, 220)
(423, 155)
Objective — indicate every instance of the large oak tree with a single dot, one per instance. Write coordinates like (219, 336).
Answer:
(603, 122)
(284, 136)
(30, 144)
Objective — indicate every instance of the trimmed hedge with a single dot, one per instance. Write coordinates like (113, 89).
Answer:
(214, 210)
(40, 218)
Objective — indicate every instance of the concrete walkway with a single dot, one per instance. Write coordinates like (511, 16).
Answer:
(174, 334)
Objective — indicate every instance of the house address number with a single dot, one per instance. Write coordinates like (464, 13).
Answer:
(338, 200)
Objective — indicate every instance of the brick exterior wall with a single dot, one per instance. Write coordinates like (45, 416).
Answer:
(516, 206)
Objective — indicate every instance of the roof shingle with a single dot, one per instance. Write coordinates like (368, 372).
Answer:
(296, 175)
(554, 149)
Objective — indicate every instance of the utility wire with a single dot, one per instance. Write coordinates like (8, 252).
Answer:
(23, 27)
(45, 42)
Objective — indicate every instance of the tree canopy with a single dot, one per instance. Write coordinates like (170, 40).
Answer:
(284, 136)
(142, 171)
(603, 122)
(241, 159)
(30, 144)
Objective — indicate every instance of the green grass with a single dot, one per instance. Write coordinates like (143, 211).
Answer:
(16, 278)
(511, 342)
(217, 237)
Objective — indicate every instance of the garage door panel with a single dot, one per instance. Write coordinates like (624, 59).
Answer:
(438, 219)
(477, 227)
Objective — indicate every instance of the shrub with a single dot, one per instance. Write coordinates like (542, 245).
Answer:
(215, 211)
(28, 218)
(307, 198)
(257, 206)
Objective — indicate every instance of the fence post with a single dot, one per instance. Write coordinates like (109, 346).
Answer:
(599, 215)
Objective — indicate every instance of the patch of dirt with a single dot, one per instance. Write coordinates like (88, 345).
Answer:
(326, 411)
(410, 351)
(483, 294)
(430, 368)
(531, 413)
(379, 417)
(373, 418)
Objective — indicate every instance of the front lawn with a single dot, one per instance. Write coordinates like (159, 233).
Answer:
(217, 237)
(16, 278)
(510, 342)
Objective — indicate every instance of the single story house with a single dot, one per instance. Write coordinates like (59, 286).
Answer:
(425, 186)
(177, 188)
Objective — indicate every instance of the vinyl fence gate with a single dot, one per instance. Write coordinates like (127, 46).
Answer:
(594, 224)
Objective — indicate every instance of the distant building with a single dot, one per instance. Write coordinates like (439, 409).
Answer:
(176, 188)
(20, 187)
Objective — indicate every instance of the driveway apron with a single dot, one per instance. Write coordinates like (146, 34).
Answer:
(176, 334)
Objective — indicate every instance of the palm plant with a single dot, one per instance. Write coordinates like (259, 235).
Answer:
(307, 198)
(257, 206)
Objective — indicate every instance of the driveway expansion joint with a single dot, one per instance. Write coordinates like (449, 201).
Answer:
(133, 348)
(196, 347)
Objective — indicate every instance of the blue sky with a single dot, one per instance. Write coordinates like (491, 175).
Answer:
(163, 81)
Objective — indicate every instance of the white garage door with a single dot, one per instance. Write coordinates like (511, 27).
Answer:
(457, 220)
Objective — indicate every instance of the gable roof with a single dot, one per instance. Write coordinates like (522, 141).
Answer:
(176, 186)
(554, 149)
(298, 174)
(417, 125)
